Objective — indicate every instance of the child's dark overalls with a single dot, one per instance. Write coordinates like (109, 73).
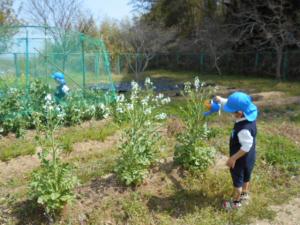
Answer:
(59, 93)
(242, 170)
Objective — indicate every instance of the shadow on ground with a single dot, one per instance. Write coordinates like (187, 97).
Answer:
(27, 212)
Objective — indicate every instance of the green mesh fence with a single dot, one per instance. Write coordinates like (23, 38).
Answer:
(247, 63)
(34, 52)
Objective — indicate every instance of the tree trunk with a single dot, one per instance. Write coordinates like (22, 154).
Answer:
(216, 58)
(136, 67)
(279, 56)
(217, 65)
(145, 64)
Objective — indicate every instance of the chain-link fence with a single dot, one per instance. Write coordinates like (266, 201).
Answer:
(35, 52)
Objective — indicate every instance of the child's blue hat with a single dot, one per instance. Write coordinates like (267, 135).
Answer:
(60, 77)
(240, 101)
(214, 107)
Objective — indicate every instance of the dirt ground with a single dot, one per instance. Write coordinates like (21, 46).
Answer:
(287, 214)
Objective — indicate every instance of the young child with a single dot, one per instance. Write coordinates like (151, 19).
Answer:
(62, 89)
(242, 144)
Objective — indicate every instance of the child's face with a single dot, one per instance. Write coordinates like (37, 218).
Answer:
(238, 115)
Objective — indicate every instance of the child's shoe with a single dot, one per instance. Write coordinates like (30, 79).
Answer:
(229, 205)
(245, 198)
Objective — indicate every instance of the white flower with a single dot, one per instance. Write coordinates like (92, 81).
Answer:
(57, 108)
(147, 123)
(197, 83)
(102, 107)
(166, 100)
(148, 82)
(161, 116)
(61, 115)
(145, 101)
(133, 96)
(134, 85)
(130, 106)
(48, 97)
(187, 87)
(160, 96)
(147, 111)
(120, 110)
(121, 98)
(12, 90)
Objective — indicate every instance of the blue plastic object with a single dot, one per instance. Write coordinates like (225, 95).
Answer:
(214, 107)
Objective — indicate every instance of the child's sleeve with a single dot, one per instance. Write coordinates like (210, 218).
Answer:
(223, 101)
(65, 89)
(245, 139)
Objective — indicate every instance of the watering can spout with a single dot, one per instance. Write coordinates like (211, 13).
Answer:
(212, 107)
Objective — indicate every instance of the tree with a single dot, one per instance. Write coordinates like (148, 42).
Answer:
(185, 15)
(61, 16)
(8, 17)
(7, 13)
(216, 39)
(86, 24)
(266, 24)
(110, 31)
(144, 41)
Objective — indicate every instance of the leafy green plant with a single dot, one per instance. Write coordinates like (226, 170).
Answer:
(17, 108)
(139, 151)
(139, 145)
(191, 150)
(282, 153)
(52, 184)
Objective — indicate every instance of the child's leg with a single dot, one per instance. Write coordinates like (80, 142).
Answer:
(237, 194)
(247, 177)
(237, 175)
(246, 187)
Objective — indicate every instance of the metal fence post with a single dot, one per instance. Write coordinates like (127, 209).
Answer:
(202, 62)
(97, 65)
(83, 62)
(118, 64)
(256, 61)
(27, 64)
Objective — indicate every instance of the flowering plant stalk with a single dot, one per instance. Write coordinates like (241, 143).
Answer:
(139, 144)
(52, 184)
(192, 151)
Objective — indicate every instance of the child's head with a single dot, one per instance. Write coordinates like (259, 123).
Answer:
(59, 77)
(240, 104)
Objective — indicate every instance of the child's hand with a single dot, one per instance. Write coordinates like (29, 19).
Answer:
(231, 162)
(217, 99)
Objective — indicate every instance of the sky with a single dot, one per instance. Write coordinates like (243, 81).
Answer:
(116, 9)
(101, 9)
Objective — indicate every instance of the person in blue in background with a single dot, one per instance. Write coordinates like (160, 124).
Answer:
(62, 89)
(242, 144)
